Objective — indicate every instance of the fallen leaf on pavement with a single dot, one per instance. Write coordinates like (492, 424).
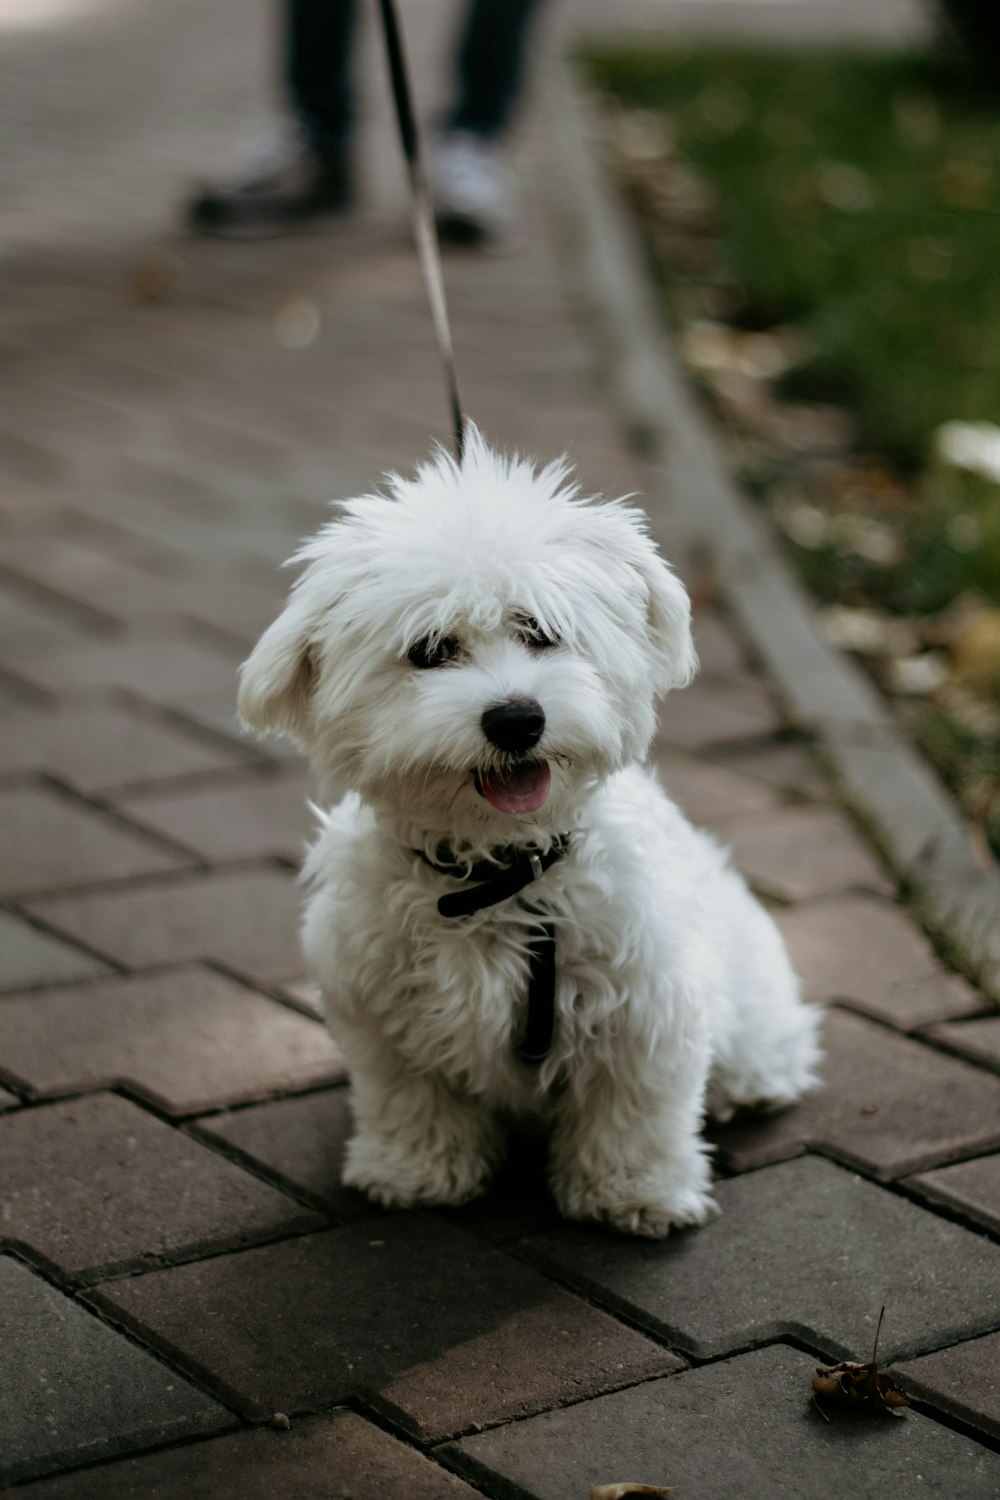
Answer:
(620, 1491)
(860, 1387)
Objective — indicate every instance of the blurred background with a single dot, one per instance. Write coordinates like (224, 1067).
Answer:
(818, 189)
(817, 184)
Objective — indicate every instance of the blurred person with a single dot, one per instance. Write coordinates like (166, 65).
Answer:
(304, 171)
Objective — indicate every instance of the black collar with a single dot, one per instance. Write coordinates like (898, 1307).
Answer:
(506, 872)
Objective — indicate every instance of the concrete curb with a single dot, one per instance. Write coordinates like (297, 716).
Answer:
(701, 511)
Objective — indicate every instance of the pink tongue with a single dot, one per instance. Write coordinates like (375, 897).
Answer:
(520, 791)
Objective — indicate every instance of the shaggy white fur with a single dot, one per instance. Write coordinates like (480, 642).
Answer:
(457, 592)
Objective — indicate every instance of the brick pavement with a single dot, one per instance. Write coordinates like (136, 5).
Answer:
(179, 1259)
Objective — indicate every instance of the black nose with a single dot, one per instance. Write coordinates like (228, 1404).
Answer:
(516, 725)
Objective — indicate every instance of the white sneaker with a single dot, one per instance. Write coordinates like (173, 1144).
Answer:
(473, 193)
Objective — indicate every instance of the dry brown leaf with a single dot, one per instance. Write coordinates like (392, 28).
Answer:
(860, 1387)
(620, 1491)
(975, 650)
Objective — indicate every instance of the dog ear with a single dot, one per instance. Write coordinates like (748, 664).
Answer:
(669, 616)
(277, 679)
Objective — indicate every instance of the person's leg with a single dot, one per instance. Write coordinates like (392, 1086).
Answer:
(490, 64)
(302, 171)
(473, 192)
(319, 37)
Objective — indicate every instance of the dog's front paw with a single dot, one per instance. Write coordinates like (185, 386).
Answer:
(649, 1207)
(401, 1178)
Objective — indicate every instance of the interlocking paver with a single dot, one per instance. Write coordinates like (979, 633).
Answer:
(973, 1188)
(979, 1040)
(153, 668)
(719, 651)
(47, 843)
(785, 765)
(709, 794)
(91, 1185)
(253, 816)
(335, 1457)
(887, 1104)
(216, 711)
(185, 1038)
(867, 951)
(80, 570)
(963, 1380)
(28, 956)
(76, 1391)
(26, 624)
(711, 711)
(436, 1327)
(743, 1427)
(246, 919)
(794, 853)
(803, 1248)
(301, 1140)
(98, 748)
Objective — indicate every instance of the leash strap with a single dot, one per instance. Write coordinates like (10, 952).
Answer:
(539, 1032)
(424, 224)
(490, 886)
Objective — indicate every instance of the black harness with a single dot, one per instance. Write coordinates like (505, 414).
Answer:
(493, 880)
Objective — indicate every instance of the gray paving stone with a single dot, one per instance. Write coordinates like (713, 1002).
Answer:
(743, 1427)
(972, 1187)
(867, 951)
(803, 1248)
(796, 853)
(185, 1038)
(153, 668)
(301, 1140)
(27, 625)
(335, 1457)
(245, 919)
(28, 956)
(76, 1391)
(711, 712)
(94, 1185)
(979, 1040)
(719, 650)
(437, 1328)
(887, 1104)
(217, 711)
(47, 844)
(249, 817)
(97, 748)
(710, 794)
(963, 1380)
(787, 766)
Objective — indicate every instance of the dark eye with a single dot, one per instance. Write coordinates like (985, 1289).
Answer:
(530, 633)
(433, 653)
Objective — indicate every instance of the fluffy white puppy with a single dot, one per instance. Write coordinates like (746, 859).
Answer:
(477, 653)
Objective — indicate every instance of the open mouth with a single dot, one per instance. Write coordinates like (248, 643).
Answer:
(523, 789)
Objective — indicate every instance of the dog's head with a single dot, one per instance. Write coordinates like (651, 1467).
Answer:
(474, 649)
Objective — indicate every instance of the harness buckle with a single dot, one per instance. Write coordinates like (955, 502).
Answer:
(536, 867)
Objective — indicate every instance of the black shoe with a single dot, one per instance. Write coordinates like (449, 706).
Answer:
(291, 182)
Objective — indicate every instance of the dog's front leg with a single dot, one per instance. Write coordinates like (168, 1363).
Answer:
(626, 1149)
(415, 1140)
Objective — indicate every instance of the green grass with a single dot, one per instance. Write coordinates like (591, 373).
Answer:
(855, 199)
(860, 197)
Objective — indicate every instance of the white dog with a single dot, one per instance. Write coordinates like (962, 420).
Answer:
(477, 654)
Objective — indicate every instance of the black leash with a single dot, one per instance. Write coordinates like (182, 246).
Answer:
(424, 224)
(512, 870)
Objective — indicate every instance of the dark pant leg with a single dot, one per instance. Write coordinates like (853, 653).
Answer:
(490, 64)
(318, 53)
